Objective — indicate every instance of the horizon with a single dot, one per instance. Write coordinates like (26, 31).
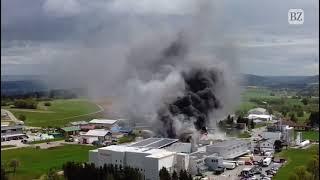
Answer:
(37, 34)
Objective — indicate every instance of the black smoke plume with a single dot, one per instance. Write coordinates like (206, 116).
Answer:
(198, 100)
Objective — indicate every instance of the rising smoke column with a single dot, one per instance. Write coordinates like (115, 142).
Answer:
(197, 102)
(172, 80)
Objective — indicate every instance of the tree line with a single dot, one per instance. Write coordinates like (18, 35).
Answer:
(165, 175)
(79, 171)
(41, 95)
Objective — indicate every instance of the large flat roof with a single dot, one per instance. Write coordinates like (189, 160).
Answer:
(103, 121)
(97, 132)
(150, 152)
(228, 143)
(154, 142)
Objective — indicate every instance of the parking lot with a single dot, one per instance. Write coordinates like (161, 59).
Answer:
(234, 173)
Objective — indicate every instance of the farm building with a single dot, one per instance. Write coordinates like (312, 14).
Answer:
(71, 130)
(103, 123)
(96, 135)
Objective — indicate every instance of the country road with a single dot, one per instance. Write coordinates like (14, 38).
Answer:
(11, 116)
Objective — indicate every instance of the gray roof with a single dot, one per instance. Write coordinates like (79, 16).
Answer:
(228, 143)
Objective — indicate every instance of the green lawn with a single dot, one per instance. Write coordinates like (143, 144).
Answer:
(7, 146)
(59, 113)
(311, 135)
(35, 162)
(295, 157)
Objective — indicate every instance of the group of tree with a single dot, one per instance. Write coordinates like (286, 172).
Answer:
(229, 119)
(165, 175)
(314, 119)
(249, 123)
(22, 117)
(293, 117)
(277, 145)
(25, 104)
(79, 171)
(42, 95)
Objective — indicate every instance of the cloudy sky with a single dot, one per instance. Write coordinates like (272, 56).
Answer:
(36, 33)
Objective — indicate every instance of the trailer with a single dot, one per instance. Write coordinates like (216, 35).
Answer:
(304, 143)
(229, 165)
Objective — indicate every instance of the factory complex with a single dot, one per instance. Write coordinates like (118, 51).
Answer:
(150, 155)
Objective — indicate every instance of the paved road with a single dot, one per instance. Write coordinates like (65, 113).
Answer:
(18, 144)
(11, 116)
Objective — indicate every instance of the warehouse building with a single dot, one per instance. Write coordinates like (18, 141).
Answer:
(146, 155)
(103, 123)
(11, 132)
(230, 149)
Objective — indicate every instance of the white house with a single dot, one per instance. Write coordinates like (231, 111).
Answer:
(96, 135)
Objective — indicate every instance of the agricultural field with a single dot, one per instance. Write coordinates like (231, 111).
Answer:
(295, 157)
(36, 162)
(59, 113)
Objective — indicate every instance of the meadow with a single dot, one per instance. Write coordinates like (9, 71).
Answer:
(59, 113)
(36, 162)
(295, 157)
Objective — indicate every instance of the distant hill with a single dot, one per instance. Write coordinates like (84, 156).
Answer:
(297, 82)
(17, 84)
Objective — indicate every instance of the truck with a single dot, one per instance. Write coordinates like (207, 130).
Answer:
(266, 161)
(229, 165)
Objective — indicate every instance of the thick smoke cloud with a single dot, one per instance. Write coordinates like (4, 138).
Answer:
(162, 79)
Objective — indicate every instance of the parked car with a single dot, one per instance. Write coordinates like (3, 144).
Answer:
(266, 178)
(270, 172)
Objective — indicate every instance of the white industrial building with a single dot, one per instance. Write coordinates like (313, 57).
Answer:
(145, 155)
(259, 115)
(150, 155)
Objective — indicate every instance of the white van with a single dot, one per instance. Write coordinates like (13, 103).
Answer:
(266, 161)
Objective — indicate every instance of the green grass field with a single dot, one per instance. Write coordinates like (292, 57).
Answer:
(311, 135)
(295, 157)
(35, 162)
(7, 146)
(59, 113)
